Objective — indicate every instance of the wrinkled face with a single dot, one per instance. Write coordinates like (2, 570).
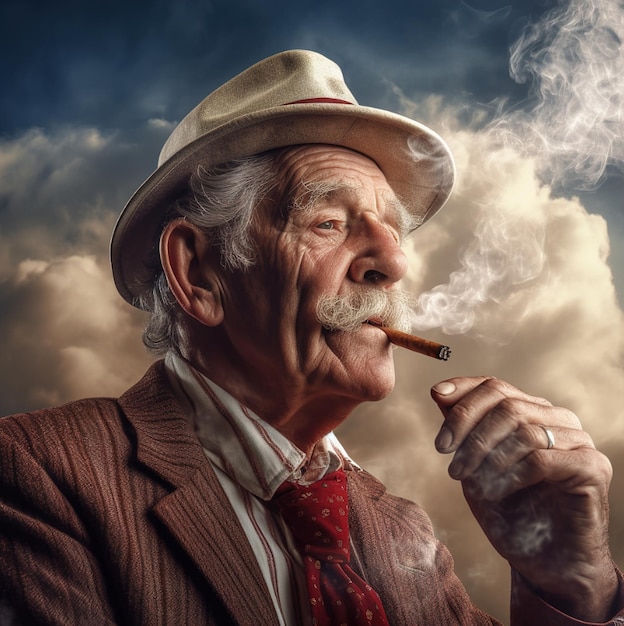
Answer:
(333, 226)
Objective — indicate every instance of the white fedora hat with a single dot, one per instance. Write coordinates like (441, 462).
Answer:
(295, 97)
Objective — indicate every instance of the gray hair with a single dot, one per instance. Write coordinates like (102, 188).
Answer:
(221, 202)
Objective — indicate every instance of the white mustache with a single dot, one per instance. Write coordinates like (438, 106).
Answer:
(348, 312)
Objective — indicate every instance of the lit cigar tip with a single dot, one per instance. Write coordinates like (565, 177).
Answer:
(444, 353)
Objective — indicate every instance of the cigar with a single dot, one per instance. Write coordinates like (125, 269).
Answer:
(414, 343)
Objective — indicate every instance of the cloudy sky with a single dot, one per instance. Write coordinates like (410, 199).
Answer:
(523, 272)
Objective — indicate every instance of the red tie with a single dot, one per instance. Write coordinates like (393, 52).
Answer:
(318, 516)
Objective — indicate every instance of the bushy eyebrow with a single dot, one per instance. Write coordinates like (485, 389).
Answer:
(308, 194)
(406, 221)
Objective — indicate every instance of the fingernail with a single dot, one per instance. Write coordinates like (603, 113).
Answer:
(445, 388)
(456, 468)
(444, 439)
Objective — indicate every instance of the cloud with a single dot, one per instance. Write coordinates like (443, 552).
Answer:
(65, 331)
(66, 334)
(543, 315)
(62, 189)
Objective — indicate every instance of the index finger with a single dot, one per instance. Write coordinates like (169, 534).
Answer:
(465, 401)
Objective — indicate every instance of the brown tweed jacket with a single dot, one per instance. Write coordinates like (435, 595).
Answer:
(111, 514)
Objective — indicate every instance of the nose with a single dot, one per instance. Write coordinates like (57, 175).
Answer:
(379, 259)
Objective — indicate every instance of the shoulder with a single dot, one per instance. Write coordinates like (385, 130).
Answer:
(74, 419)
(68, 449)
(89, 428)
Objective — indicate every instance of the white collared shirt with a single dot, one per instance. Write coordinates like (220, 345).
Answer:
(251, 460)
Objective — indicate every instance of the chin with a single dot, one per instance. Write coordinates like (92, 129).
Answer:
(375, 387)
(365, 367)
(380, 393)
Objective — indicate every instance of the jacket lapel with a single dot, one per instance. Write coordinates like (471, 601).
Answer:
(197, 512)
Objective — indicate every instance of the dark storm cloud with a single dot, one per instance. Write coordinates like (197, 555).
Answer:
(116, 64)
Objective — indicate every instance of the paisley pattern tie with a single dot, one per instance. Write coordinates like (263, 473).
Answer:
(318, 516)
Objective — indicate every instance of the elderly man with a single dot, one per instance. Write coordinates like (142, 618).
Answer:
(213, 491)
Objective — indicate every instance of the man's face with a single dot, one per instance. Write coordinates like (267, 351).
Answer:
(333, 227)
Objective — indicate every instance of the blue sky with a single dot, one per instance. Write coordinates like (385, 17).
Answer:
(114, 64)
(91, 90)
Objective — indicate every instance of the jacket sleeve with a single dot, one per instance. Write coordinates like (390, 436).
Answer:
(527, 609)
(49, 573)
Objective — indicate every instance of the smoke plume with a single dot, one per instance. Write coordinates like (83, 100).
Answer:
(569, 131)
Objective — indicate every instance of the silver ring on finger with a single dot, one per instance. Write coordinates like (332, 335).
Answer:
(549, 436)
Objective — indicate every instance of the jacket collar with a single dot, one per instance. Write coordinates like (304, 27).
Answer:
(197, 512)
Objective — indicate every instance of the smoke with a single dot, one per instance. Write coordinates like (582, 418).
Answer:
(569, 132)
(573, 60)
(527, 531)
(506, 252)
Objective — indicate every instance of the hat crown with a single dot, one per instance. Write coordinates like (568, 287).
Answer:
(282, 79)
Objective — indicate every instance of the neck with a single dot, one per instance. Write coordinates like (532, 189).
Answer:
(301, 414)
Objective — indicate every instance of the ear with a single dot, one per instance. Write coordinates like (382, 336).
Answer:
(189, 263)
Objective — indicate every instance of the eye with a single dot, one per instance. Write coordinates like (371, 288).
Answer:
(326, 225)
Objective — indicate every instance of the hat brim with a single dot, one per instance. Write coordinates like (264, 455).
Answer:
(415, 161)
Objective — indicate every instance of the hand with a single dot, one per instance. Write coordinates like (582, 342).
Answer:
(544, 509)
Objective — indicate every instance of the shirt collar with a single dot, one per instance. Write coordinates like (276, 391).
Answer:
(240, 443)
